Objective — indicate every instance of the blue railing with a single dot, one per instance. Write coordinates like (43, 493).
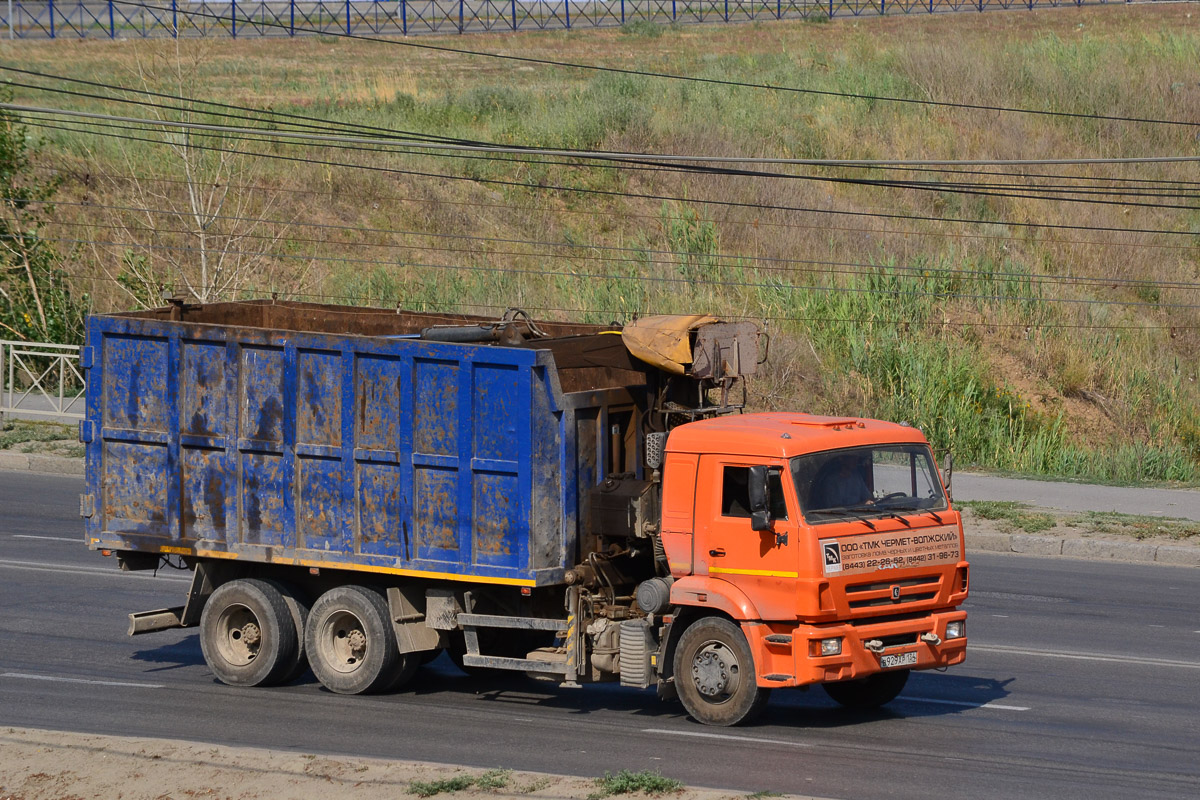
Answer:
(114, 19)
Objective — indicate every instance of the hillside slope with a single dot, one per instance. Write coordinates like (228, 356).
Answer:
(1034, 335)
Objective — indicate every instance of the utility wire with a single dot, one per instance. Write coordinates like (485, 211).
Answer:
(993, 190)
(333, 125)
(662, 197)
(944, 324)
(685, 281)
(85, 178)
(191, 12)
(687, 160)
(629, 255)
(344, 142)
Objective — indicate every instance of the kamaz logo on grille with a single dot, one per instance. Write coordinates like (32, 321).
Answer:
(895, 592)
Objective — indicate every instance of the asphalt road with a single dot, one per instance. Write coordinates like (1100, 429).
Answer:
(1081, 683)
(1183, 503)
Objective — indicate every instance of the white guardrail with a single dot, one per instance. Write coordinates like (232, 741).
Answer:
(41, 381)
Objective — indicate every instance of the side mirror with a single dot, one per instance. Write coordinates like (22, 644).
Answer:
(948, 475)
(760, 499)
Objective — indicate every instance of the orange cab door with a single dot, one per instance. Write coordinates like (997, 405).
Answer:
(763, 564)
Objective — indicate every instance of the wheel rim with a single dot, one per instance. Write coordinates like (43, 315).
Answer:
(716, 673)
(239, 635)
(343, 642)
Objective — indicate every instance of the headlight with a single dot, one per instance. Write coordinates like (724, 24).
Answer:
(956, 629)
(831, 647)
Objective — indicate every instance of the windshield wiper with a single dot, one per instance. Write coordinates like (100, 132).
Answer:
(883, 511)
(930, 512)
(846, 511)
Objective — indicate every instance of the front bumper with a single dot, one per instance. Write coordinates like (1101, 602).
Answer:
(789, 655)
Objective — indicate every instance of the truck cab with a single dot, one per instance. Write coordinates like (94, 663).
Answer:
(823, 549)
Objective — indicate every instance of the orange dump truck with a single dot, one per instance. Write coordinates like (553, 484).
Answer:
(358, 490)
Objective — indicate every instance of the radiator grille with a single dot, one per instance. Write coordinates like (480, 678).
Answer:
(879, 594)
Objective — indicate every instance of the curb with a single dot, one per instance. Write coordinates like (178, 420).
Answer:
(1103, 549)
(47, 465)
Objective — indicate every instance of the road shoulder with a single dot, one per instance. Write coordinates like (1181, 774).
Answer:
(49, 765)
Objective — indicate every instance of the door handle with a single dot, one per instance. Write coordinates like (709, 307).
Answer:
(717, 553)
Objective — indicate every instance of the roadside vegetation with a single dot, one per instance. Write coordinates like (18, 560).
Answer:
(1014, 517)
(52, 438)
(1062, 351)
(629, 782)
(490, 781)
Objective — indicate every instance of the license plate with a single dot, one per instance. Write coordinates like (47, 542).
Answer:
(898, 660)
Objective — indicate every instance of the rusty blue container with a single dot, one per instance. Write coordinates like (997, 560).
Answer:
(334, 438)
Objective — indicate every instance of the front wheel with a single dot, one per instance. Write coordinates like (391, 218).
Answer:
(714, 674)
(872, 691)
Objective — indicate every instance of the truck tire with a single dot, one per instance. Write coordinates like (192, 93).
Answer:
(350, 641)
(872, 691)
(404, 671)
(248, 633)
(298, 605)
(714, 674)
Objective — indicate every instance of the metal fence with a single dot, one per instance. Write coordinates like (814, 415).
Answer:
(114, 19)
(41, 381)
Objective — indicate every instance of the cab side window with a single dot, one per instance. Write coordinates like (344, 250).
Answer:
(735, 493)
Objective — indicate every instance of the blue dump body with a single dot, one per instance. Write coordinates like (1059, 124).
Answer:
(333, 450)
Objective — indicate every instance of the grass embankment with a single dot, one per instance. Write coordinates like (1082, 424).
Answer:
(1026, 349)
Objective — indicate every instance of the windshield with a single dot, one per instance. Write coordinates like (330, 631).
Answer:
(880, 480)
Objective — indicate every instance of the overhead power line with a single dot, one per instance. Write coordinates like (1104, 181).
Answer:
(624, 254)
(616, 313)
(343, 142)
(654, 279)
(598, 155)
(659, 197)
(407, 42)
(86, 177)
(214, 108)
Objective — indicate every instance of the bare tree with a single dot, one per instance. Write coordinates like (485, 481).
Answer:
(195, 221)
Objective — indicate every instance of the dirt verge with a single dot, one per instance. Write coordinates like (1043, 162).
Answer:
(51, 765)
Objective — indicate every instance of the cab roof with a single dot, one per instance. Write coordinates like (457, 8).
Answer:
(785, 435)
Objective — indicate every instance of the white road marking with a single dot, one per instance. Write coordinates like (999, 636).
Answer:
(1145, 662)
(107, 571)
(1158, 626)
(47, 538)
(29, 677)
(963, 703)
(1001, 616)
(725, 737)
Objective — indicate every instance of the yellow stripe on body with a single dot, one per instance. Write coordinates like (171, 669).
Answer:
(304, 562)
(761, 573)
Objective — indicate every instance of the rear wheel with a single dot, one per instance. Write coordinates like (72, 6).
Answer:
(298, 606)
(404, 671)
(714, 674)
(870, 692)
(248, 633)
(350, 642)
